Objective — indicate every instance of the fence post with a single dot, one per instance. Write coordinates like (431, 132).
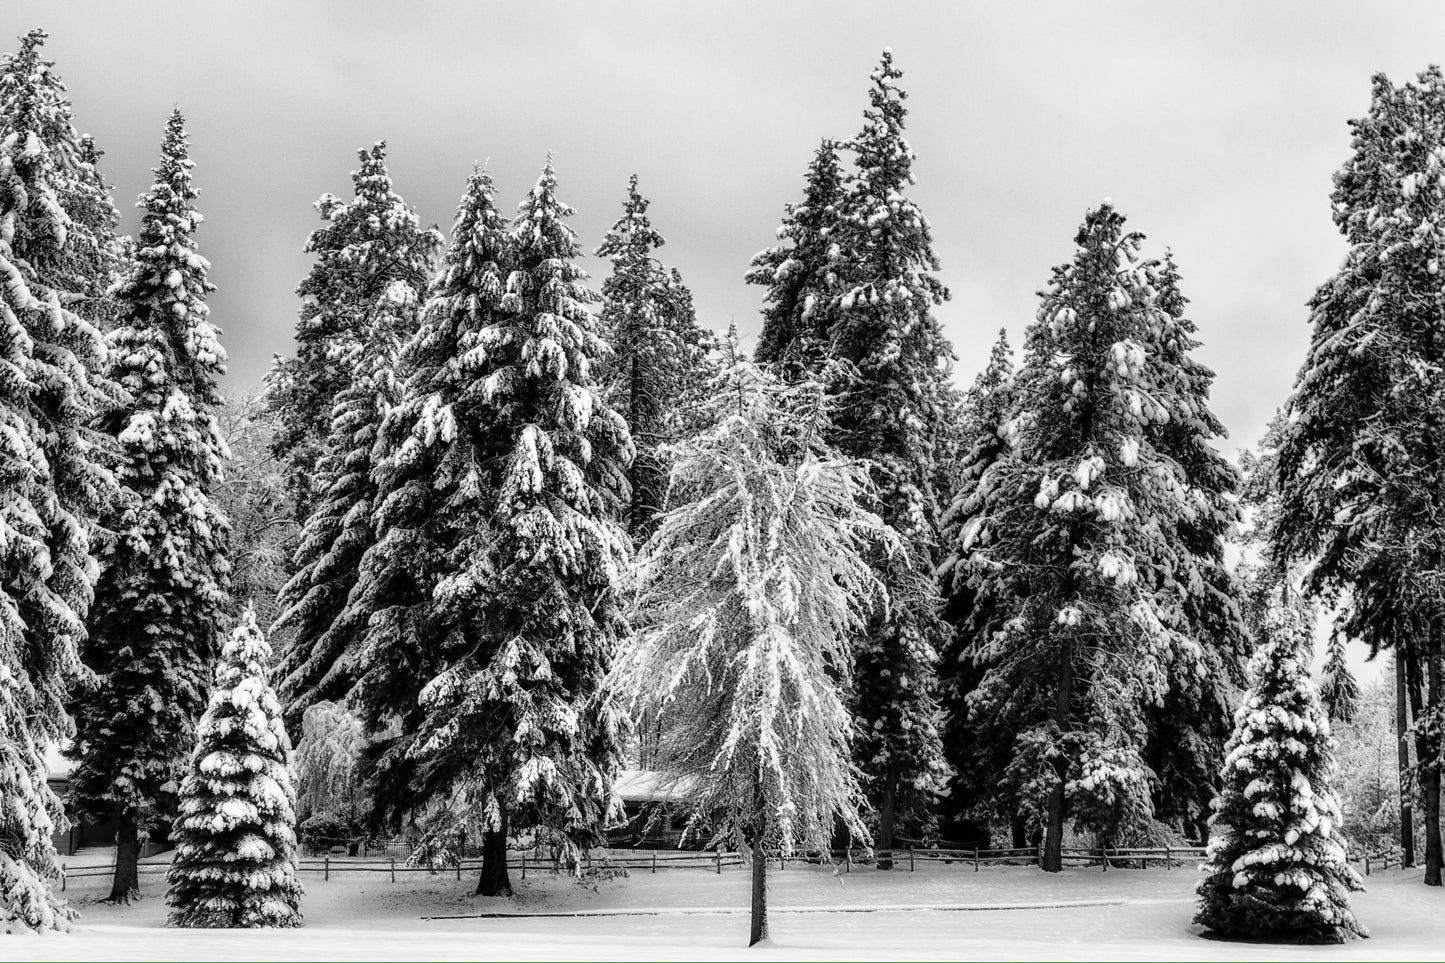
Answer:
(393, 869)
(326, 867)
(717, 853)
(1367, 865)
(62, 877)
(1168, 859)
(654, 861)
(459, 869)
(975, 859)
(848, 860)
(524, 865)
(1104, 857)
(910, 859)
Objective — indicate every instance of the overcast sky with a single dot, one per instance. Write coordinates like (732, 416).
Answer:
(1214, 128)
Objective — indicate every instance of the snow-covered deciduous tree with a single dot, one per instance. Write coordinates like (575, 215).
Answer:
(235, 862)
(315, 665)
(658, 351)
(51, 388)
(364, 246)
(492, 589)
(1362, 467)
(1077, 549)
(1369, 775)
(799, 274)
(757, 575)
(155, 625)
(888, 392)
(256, 500)
(1276, 865)
(326, 760)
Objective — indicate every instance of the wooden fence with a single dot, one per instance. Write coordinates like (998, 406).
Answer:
(327, 866)
(653, 861)
(1384, 859)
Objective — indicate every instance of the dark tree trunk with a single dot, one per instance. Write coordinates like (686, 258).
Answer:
(1431, 775)
(494, 880)
(1053, 856)
(758, 930)
(1402, 729)
(887, 811)
(1018, 829)
(126, 884)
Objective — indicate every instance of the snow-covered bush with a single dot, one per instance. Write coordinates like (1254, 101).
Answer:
(235, 862)
(1276, 862)
(323, 830)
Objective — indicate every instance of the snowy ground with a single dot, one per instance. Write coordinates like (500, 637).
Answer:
(936, 912)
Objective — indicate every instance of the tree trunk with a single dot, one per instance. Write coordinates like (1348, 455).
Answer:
(887, 812)
(759, 926)
(1053, 857)
(126, 884)
(1402, 748)
(494, 880)
(1431, 775)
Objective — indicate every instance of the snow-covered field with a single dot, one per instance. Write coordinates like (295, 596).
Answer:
(936, 912)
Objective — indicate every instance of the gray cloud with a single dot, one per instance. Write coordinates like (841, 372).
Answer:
(1214, 127)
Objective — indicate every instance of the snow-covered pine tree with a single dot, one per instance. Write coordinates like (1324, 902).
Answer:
(1276, 865)
(155, 623)
(1362, 470)
(315, 665)
(429, 513)
(1339, 692)
(1188, 730)
(798, 273)
(364, 246)
(976, 758)
(493, 584)
(888, 392)
(51, 470)
(235, 862)
(1075, 546)
(748, 591)
(658, 351)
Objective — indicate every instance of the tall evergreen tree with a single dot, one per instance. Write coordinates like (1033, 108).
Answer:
(1339, 692)
(155, 623)
(1362, 471)
(363, 247)
(657, 350)
(977, 758)
(315, 666)
(748, 590)
(1077, 546)
(51, 356)
(799, 273)
(888, 389)
(1276, 863)
(493, 584)
(235, 862)
(1188, 730)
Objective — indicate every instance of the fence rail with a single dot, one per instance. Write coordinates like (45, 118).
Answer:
(1384, 859)
(654, 861)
